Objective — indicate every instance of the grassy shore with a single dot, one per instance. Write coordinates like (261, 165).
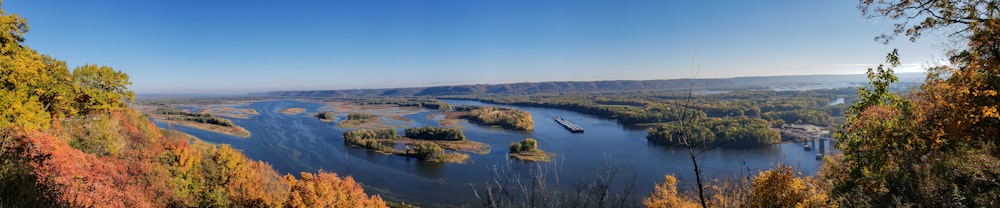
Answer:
(229, 111)
(461, 145)
(230, 130)
(533, 155)
(366, 123)
(376, 111)
(450, 117)
(292, 111)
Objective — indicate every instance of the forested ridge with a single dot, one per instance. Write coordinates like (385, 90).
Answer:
(68, 139)
(738, 83)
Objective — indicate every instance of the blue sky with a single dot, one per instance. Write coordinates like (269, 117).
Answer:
(252, 46)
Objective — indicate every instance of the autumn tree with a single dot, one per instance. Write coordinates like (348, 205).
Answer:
(780, 187)
(326, 189)
(22, 78)
(665, 195)
(102, 88)
(937, 146)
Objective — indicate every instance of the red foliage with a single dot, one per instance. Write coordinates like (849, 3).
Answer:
(77, 179)
(157, 170)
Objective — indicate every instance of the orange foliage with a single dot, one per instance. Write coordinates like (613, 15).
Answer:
(962, 109)
(327, 190)
(158, 170)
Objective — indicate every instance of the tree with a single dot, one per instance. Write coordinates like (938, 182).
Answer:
(665, 195)
(937, 146)
(429, 151)
(22, 78)
(328, 190)
(779, 187)
(961, 99)
(102, 88)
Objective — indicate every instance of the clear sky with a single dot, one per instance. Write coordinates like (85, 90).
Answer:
(180, 46)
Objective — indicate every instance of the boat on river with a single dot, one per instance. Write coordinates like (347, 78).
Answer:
(572, 127)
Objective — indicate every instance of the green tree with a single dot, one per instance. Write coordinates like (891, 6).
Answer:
(429, 151)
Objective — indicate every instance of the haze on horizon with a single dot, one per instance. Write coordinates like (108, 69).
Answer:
(254, 46)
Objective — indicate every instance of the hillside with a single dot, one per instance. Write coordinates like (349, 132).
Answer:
(765, 82)
(69, 139)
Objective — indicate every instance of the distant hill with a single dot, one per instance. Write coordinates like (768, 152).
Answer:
(798, 82)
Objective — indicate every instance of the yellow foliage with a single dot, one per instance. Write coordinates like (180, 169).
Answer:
(16, 110)
(779, 187)
(665, 195)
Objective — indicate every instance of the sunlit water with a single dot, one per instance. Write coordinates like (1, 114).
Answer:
(296, 143)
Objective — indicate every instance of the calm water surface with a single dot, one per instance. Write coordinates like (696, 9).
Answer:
(297, 143)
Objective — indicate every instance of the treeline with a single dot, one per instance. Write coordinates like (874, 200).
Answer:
(801, 116)
(423, 103)
(651, 113)
(434, 133)
(656, 113)
(359, 116)
(740, 131)
(382, 133)
(196, 117)
(504, 117)
(371, 139)
(385, 139)
(811, 107)
(612, 86)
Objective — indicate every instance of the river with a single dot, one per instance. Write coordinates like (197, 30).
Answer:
(296, 143)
